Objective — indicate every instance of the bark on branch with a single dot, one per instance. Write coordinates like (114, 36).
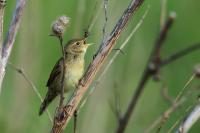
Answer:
(10, 38)
(103, 52)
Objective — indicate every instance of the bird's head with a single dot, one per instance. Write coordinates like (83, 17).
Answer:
(77, 46)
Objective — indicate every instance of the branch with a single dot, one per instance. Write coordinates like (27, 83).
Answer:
(150, 70)
(190, 120)
(106, 18)
(180, 54)
(179, 100)
(94, 17)
(105, 70)
(10, 39)
(163, 10)
(106, 47)
(164, 116)
(63, 74)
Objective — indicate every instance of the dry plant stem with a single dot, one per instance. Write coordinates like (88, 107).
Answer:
(106, 18)
(24, 75)
(165, 116)
(94, 17)
(166, 95)
(63, 75)
(162, 119)
(178, 121)
(190, 120)
(150, 70)
(75, 121)
(2, 8)
(163, 7)
(94, 67)
(180, 54)
(174, 125)
(114, 57)
(179, 100)
(180, 94)
(10, 38)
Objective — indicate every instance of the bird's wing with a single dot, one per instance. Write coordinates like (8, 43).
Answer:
(57, 70)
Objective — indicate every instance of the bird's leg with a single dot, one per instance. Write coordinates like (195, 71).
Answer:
(75, 120)
(81, 83)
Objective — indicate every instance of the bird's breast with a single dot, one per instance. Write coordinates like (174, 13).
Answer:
(74, 72)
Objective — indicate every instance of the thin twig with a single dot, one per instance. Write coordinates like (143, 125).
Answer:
(167, 114)
(117, 105)
(106, 18)
(178, 120)
(163, 8)
(179, 100)
(163, 118)
(94, 16)
(75, 121)
(166, 95)
(105, 70)
(180, 94)
(10, 39)
(94, 67)
(180, 54)
(24, 75)
(173, 126)
(150, 70)
(190, 120)
(63, 75)
(2, 8)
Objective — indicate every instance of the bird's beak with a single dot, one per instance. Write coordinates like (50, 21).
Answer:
(89, 44)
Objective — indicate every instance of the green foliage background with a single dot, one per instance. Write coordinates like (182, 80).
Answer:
(36, 53)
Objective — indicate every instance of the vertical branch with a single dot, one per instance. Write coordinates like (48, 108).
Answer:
(106, 18)
(94, 67)
(2, 7)
(10, 38)
(163, 8)
(63, 74)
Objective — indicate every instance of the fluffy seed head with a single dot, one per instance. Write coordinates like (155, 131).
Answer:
(58, 27)
(64, 20)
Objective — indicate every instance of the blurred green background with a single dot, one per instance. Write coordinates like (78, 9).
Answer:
(36, 53)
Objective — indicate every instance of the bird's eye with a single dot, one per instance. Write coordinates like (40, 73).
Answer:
(77, 43)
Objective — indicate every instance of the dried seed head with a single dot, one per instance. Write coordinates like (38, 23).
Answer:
(64, 20)
(3, 3)
(58, 27)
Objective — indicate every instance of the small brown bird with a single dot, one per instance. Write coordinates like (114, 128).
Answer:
(74, 66)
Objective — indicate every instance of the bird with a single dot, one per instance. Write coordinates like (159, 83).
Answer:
(74, 62)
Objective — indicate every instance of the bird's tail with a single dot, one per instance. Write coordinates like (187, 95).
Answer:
(48, 99)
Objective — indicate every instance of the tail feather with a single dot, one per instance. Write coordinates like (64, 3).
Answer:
(48, 99)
